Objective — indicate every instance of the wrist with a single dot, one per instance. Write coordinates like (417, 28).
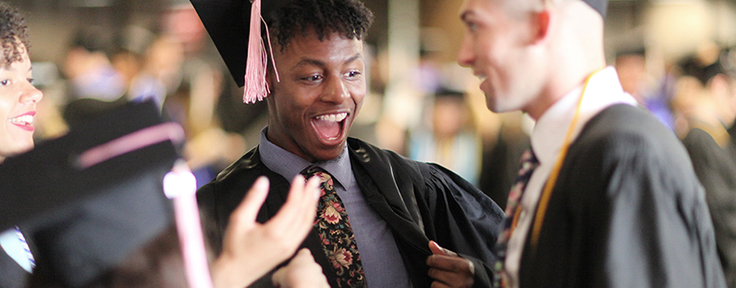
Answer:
(226, 273)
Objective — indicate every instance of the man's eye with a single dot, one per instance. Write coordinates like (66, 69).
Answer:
(353, 74)
(30, 80)
(472, 27)
(5, 82)
(313, 78)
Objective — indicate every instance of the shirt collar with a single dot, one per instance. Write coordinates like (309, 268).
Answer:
(287, 164)
(603, 90)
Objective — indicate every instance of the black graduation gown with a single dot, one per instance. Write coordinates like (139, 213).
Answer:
(731, 147)
(716, 170)
(627, 211)
(419, 201)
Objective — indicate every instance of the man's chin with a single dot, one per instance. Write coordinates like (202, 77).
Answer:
(327, 154)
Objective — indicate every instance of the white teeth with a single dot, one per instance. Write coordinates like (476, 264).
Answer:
(25, 119)
(333, 117)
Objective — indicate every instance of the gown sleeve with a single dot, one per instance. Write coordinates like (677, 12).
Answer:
(465, 220)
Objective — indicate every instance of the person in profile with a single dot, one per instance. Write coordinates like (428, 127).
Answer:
(607, 196)
(18, 99)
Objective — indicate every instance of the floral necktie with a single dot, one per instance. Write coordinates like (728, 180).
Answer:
(335, 232)
(528, 163)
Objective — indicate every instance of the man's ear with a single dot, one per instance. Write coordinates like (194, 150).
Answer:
(270, 76)
(540, 23)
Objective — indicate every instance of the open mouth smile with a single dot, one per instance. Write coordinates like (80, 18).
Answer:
(330, 126)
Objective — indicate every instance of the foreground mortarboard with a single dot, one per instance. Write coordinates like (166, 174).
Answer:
(235, 28)
(599, 5)
(94, 196)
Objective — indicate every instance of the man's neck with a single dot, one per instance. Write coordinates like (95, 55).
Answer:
(560, 85)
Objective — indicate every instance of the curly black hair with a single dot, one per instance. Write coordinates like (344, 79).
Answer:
(14, 32)
(349, 18)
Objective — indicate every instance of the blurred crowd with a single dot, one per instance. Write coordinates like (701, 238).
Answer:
(174, 65)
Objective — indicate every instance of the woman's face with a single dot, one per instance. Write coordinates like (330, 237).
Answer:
(18, 99)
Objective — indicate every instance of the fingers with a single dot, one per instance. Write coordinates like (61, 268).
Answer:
(304, 255)
(245, 215)
(438, 250)
(448, 269)
(301, 272)
(450, 263)
(451, 271)
(297, 214)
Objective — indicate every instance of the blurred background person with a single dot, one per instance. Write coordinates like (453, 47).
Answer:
(704, 105)
(93, 84)
(450, 138)
(636, 80)
(87, 66)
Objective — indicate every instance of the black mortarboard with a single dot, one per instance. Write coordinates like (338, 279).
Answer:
(229, 23)
(92, 197)
(599, 5)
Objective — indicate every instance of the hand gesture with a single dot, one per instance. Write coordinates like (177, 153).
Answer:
(251, 249)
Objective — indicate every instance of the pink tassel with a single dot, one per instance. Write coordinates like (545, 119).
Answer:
(256, 87)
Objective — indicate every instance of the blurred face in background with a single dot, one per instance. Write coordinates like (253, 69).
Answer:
(449, 116)
(18, 99)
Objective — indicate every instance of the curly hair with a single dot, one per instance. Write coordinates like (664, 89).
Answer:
(349, 18)
(14, 32)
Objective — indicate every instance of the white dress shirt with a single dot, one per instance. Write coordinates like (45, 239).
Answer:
(11, 243)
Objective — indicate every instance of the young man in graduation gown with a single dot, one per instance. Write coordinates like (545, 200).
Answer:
(613, 200)
(394, 206)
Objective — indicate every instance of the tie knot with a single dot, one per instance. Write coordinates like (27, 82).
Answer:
(312, 171)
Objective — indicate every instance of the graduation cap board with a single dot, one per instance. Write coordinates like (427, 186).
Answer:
(235, 28)
(92, 197)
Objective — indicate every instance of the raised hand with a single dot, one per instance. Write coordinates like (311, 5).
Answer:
(251, 249)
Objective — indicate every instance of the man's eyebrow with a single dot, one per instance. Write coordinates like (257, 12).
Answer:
(355, 57)
(320, 63)
(308, 61)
